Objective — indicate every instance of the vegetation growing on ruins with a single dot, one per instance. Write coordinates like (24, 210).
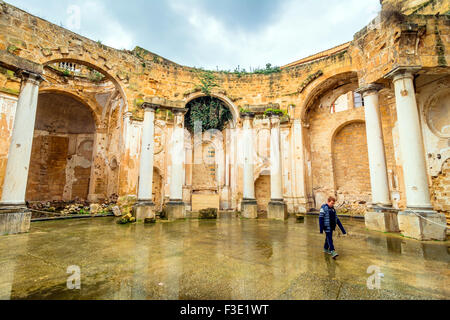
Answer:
(440, 48)
(269, 69)
(393, 12)
(95, 76)
(309, 80)
(208, 81)
(244, 110)
(422, 6)
(273, 111)
(210, 111)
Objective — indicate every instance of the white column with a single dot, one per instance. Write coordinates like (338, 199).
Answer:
(299, 161)
(145, 193)
(16, 178)
(177, 153)
(249, 180)
(411, 142)
(375, 145)
(276, 187)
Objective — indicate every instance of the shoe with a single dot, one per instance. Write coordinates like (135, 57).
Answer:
(327, 251)
(334, 254)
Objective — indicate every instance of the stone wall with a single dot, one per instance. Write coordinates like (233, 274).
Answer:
(440, 196)
(418, 6)
(305, 89)
(351, 168)
(262, 192)
(7, 112)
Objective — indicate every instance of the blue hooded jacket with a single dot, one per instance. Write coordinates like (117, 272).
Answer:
(328, 220)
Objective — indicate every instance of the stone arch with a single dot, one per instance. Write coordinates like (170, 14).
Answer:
(346, 79)
(83, 100)
(339, 126)
(62, 159)
(158, 188)
(227, 101)
(89, 62)
(262, 190)
(350, 163)
(322, 126)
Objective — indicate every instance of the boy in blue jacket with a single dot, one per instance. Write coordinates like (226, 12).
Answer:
(328, 220)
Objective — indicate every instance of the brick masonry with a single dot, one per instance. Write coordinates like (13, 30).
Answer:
(305, 90)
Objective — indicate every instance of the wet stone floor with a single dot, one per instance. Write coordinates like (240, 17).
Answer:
(225, 259)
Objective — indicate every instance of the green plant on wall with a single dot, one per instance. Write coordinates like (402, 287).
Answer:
(244, 110)
(208, 81)
(212, 113)
(277, 112)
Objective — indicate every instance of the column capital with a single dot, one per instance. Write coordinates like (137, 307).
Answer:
(127, 115)
(179, 111)
(32, 77)
(275, 120)
(402, 72)
(369, 89)
(147, 106)
(248, 115)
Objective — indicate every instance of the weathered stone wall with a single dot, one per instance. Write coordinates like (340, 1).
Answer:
(441, 191)
(262, 192)
(418, 6)
(7, 112)
(305, 89)
(351, 167)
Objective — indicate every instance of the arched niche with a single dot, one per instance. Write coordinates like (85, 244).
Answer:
(63, 149)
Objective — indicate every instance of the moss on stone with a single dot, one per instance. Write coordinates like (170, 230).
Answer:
(10, 91)
(440, 48)
(210, 213)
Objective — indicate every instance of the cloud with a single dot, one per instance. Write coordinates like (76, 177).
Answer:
(227, 33)
(97, 20)
(298, 29)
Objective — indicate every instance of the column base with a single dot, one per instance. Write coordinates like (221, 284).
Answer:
(249, 209)
(277, 210)
(384, 221)
(423, 225)
(175, 210)
(144, 210)
(14, 220)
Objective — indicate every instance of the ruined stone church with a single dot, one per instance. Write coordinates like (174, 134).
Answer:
(367, 122)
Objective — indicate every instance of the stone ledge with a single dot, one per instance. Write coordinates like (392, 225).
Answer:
(382, 221)
(175, 210)
(423, 225)
(144, 210)
(277, 211)
(15, 63)
(249, 209)
(15, 222)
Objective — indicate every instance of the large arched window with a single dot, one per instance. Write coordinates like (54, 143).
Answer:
(347, 101)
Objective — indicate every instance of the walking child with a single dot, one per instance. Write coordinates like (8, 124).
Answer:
(328, 221)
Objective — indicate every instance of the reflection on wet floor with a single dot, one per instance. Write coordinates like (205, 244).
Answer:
(225, 259)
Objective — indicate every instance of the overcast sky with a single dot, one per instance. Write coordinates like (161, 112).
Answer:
(213, 33)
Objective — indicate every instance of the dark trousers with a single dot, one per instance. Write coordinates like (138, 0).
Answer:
(329, 245)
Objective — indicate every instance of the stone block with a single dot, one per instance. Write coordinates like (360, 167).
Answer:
(382, 221)
(249, 209)
(14, 222)
(423, 225)
(205, 201)
(175, 210)
(277, 211)
(143, 211)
